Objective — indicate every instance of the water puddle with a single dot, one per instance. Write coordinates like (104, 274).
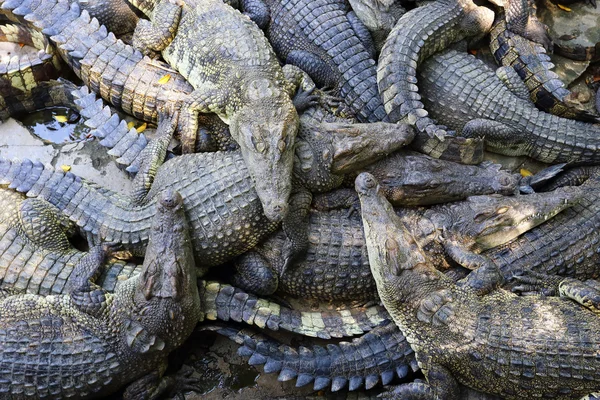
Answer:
(56, 125)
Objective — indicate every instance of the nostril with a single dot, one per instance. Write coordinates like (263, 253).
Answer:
(277, 209)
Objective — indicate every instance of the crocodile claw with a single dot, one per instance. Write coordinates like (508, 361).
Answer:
(532, 283)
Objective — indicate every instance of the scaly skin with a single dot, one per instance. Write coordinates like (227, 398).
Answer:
(116, 15)
(22, 74)
(337, 52)
(379, 355)
(379, 16)
(236, 75)
(533, 65)
(116, 71)
(335, 266)
(464, 333)
(36, 257)
(223, 208)
(417, 35)
(567, 245)
(471, 99)
(124, 337)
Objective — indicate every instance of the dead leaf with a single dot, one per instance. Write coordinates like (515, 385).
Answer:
(61, 118)
(164, 79)
(65, 168)
(524, 172)
(564, 8)
(141, 128)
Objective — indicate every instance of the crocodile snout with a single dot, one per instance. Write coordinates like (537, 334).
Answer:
(365, 183)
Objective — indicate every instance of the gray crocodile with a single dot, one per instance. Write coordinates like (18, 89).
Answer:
(327, 40)
(468, 97)
(335, 266)
(379, 16)
(236, 75)
(122, 337)
(471, 332)
(36, 257)
(224, 211)
(533, 65)
(378, 356)
(22, 73)
(417, 35)
(568, 245)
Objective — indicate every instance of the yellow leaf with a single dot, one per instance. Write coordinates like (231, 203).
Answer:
(130, 125)
(65, 168)
(61, 118)
(164, 79)
(21, 44)
(141, 128)
(525, 172)
(564, 8)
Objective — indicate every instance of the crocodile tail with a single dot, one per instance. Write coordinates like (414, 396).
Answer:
(417, 35)
(118, 72)
(44, 94)
(124, 143)
(225, 302)
(533, 65)
(377, 356)
(98, 211)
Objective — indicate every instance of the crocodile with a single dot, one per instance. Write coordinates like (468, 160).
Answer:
(36, 257)
(379, 16)
(471, 332)
(417, 35)
(467, 96)
(236, 75)
(22, 72)
(521, 19)
(409, 178)
(326, 39)
(121, 75)
(533, 65)
(568, 245)
(224, 211)
(112, 132)
(124, 338)
(336, 266)
(378, 356)
(116, 15)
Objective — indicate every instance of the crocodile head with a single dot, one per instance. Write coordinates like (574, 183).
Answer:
(265, 132)
(396, 260)
(169, 268)
(410, 179)
(483, 222)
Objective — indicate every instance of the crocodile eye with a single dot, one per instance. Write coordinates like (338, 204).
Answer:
(505, 181)
(502, 210)
(258, 144)
(281, 146)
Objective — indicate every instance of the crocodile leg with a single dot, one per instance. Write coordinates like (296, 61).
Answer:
(485, 276)
(86, 294)
(295, 226)
(43, 225)
(153, 157)
(497, 131)
(362, 33)
(155, 36)
(254, 273)
(258, 11)
(199, 101)
(513, 82)
(521, 19)
(313, 65)
(586, 293)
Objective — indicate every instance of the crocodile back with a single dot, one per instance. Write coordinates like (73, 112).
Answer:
(322, 28)
(459, 88)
